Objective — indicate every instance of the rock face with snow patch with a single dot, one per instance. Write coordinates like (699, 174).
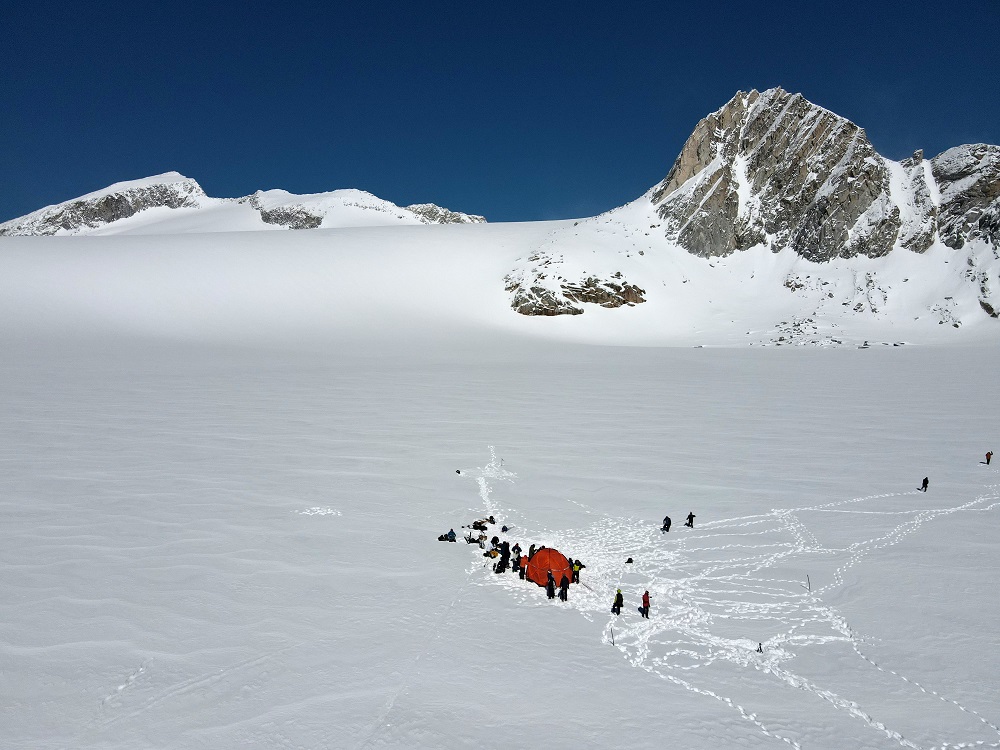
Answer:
(539, 288)
(773, 169)
(428, 213)
(968, 178)
(292, 217)
(119, 201)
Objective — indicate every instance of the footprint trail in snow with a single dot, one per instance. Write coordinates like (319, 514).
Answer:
(723, 587)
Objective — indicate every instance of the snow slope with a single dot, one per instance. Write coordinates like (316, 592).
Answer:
(235, 546)
(325, 284)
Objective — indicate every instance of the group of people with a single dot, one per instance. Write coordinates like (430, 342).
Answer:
(510, 556)
(689, 522)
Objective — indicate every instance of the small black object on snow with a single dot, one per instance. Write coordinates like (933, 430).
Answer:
(458, 471)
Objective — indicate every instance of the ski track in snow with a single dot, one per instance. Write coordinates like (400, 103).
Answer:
(720, 576)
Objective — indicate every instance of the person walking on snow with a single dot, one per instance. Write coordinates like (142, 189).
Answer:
(690, 521)
(923, 485)
(564, 588)
(989, 455)
(550, 586)
(645, 604)
(616, 608)
(666, 523)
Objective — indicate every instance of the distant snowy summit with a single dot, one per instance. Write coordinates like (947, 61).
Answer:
(172, 203)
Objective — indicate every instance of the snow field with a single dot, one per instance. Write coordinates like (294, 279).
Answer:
(219, 548)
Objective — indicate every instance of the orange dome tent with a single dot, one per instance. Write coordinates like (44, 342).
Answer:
(545, 560)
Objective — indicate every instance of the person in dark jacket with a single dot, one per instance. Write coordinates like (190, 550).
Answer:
(645, 604)
(501, 566)
(924, 484)
(616, 608)
(564, 588)
(666, 523)
(690, 521)
(524, 568)
(531, 551)
(550, 586)
(449, 537)
(989, 457)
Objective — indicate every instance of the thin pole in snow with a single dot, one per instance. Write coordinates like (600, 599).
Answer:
(612, 636)
(809, 583)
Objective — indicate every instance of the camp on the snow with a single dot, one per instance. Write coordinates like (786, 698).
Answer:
(547, 559)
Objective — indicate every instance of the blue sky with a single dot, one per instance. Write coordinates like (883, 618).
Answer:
(518, 111)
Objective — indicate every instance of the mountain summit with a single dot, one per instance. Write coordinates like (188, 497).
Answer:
(774, 169)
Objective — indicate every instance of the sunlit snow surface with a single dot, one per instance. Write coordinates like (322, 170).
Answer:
(210, 547)
(225, 461)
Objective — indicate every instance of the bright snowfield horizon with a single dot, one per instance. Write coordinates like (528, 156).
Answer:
(227, 455)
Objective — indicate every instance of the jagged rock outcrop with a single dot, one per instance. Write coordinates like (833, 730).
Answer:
(968, 179)
(119, 201)
(771, 168)
(293, 217)
(429, 213)
(540, 289)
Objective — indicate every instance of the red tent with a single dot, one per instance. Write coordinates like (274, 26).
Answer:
(545, 560)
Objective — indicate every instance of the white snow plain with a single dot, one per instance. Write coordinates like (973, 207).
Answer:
(226, 460)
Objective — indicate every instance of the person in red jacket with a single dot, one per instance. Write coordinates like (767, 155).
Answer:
(645, 604)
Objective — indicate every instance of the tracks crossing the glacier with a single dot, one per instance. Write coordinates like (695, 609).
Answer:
(719, 589)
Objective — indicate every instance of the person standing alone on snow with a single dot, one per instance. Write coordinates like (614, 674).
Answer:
(690, 521)
(564, 588)
(989, 455)
(616, 608)
(923, 485)
(666, 523)
(645, 604)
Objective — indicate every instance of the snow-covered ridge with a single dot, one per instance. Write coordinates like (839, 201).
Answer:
(172, 203)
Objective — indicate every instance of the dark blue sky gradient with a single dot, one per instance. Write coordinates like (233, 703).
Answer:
(518, 111)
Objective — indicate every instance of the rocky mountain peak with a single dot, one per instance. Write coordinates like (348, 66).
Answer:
(773, 169)
(113, 203)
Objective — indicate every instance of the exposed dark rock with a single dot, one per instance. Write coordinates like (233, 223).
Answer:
(969, 180)
(538, 290)
(605, 293)
(105, 209)
(293, 217)
(431, 214)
